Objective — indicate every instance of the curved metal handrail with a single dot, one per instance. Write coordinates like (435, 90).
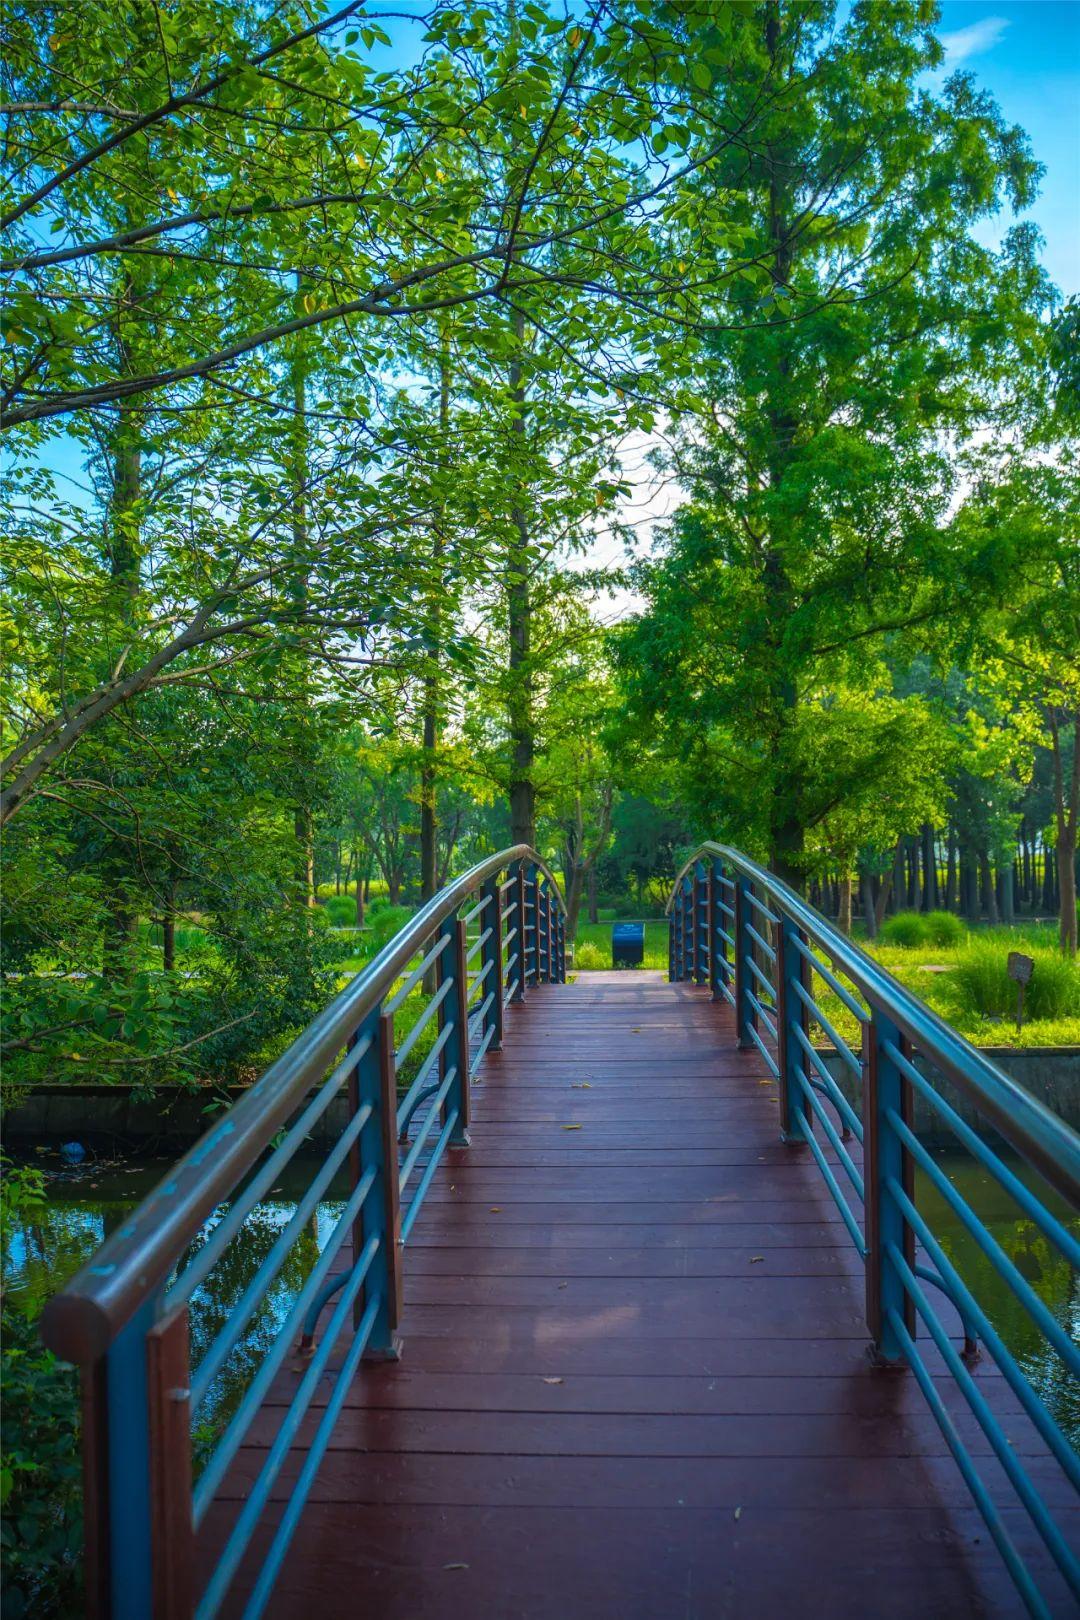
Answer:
(1040, 1136)
(80, 1323)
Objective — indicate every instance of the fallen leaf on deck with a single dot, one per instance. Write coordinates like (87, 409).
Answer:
(755, 1259)
(738, 1512)
(571, 1127)
(455, 1566)
(496, 1209)
(552, 1380)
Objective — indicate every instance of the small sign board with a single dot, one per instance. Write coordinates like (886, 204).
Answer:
(1020, 968)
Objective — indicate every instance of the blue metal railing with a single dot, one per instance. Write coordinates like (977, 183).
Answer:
(762, 949)
(125, 1318)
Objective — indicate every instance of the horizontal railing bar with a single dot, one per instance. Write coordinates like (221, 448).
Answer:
(831, 980)
(409, 1103)
(727, 938)
(226, 1229)
(510, 934)
(962, 1457)
(729, 911)
(759, 905)
(831, 1132)
(843, 1049)
(764, 1050)
(485, 1043)
(509, 883)
(763, 1012)
(477, 943)
(725, 992)
(1005, 1454)
(1032, 1207)
(506, 912)
(423, 1020)
(290, 1518)
(469, 916)
(1043, 1318)
(840, 1102)
(258, 1496)
(970, 1331)
(477, 979)
(761, 941)
(854, 1229)
(409, 1219)
(222, 1347)
(212, 1475)
(421, 1136)
(761, 977)
(1032, 1129)
(416, 975)
(1003, 1357)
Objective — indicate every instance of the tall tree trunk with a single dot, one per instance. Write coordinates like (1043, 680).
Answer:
(303, 814)
(989, 896)
(843, 913)
(869, 908)
(521, 689)
(429, 790)
(1067, 818)
(929, 857)
(950, 872)
(593, 915)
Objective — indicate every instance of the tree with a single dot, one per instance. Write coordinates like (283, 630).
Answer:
(816, 468)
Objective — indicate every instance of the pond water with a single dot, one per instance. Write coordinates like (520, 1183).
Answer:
(85, 1206)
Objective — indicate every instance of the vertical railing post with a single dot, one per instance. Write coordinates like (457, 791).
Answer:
(745, 1017)
(688, 928)
(127, 1518)
(172, 1528)
(700, 913)
(560, 945)
(543, 937)
(374, 1082)
(886, 1159)
(516, 920)
(492, 952)
(791, 1014)
(453, 964)
(532, 925)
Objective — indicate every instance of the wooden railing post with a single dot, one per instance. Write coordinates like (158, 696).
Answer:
(885, 1158)
(791, 1014)
(172, 1528)
(745, 1016)
(453, 964)
(491, 917)
(374, 1082)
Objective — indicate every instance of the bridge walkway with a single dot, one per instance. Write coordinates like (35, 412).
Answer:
(635, 1382)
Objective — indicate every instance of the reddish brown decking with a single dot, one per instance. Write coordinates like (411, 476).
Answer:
(634, 1382)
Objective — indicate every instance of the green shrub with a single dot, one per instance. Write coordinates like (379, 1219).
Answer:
(942, 928)
(40, 1469)
(340, 910)
(590, 957)
(907, 928)
(385, 923)
(980, 983)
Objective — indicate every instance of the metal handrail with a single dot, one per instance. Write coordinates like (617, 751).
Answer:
(1040, 1136)
(878, 1199)
(80, 1323)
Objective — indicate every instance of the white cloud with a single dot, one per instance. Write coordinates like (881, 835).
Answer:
(974, 40)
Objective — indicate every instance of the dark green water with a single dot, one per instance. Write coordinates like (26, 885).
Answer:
(85, 1206)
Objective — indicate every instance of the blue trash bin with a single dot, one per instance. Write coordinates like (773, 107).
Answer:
(627, 944)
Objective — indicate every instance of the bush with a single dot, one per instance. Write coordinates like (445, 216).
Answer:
(340, 910)
(942, 928)
(40, 1469)
(907, 929)
(980, 982)
(590, 957)
(385, 923)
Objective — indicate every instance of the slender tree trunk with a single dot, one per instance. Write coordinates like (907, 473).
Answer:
(950, 873)
(520, 694)
(1067, 817)
(844, 888)
(593, 917)
(869, 906)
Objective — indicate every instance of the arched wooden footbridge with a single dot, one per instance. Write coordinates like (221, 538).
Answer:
(627, 1305)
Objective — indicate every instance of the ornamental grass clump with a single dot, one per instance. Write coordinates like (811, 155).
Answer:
(981, 984)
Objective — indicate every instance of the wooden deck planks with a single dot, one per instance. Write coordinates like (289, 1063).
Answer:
(634, 1379)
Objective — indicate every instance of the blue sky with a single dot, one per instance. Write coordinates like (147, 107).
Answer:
(1027, 54)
